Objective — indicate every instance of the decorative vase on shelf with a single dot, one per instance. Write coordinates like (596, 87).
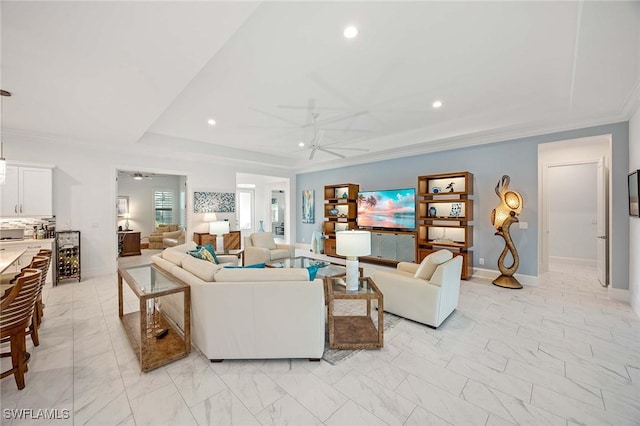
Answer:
(334, 211)
(261, 228)
(432, 212)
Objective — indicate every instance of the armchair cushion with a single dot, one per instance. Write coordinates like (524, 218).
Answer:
(263, 240)
(430, 263)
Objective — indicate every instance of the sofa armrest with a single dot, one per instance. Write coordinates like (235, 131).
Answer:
(227, 259)
(254, 255)
(407, 267)
(172, 234)
(290, 247)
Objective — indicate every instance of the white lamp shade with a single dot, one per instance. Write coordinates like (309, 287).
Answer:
(353, 243)
(209, 217)
(219, 228)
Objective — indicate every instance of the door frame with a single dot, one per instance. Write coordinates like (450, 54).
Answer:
(543, 239)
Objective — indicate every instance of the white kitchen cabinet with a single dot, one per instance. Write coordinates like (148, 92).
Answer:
(28, 191)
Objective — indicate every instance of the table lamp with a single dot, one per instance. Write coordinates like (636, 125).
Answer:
(219, 228)
(352, 244)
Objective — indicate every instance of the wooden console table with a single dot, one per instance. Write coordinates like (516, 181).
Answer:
(231, 240)
(128, 243)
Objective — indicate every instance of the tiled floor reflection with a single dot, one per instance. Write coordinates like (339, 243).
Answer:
(560, 353)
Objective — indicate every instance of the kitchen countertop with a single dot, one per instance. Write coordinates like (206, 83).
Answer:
(8, 256)
(9, 243)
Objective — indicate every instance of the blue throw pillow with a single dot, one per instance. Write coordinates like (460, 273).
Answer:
(202, 253)
(257, 265)
(313, 270)
(210, 249)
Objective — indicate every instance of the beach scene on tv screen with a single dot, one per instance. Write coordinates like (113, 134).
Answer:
(387, 209)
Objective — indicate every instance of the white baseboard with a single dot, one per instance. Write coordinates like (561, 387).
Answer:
(619, 295)
(574, 261)
(491, 274)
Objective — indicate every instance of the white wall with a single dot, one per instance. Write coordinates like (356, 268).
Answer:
(572, 211)
(84, 186)
(634, 222)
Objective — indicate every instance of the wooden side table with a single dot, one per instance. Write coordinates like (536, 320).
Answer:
(231, 240)
(354, 332)
(128, 243)
(148, 283)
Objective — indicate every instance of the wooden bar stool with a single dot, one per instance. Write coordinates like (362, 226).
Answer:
(16, 313)
(42, 264)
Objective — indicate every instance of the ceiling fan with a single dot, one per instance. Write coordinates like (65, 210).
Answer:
(138, 175)
(315, 145)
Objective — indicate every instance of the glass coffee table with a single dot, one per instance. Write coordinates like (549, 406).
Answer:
(326, 269)
(154, 339)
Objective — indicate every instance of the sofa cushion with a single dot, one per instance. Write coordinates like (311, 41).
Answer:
(200, 268)
(430, 263)
(202, 253)
(210, 249)
(262, 275)
(176, 254)
(263, 240)
(313, 271)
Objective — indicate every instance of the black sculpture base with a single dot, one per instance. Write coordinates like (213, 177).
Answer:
(507, 281)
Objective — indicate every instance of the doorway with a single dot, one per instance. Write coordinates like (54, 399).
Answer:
(152, 199)
(574, 206)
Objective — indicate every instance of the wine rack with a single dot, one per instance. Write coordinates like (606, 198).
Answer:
(68, 255)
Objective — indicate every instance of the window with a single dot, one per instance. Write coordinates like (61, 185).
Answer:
(163, 207)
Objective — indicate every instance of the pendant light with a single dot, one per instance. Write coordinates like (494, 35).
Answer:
(3, 161)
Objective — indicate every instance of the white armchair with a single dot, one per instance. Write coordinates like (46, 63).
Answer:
(260, 247)
(427, 293)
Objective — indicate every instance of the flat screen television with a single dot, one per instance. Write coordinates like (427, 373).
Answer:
(634, 202)
(388, 209)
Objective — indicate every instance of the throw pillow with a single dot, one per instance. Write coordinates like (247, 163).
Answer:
(202, 253)
(263, 240)
(313, 270)
(430, 263)
(210, 249)
(255, 265)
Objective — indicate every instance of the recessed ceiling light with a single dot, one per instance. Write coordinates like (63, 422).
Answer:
(211, 122)
(301, 144)
(437, 104)
(350, 32)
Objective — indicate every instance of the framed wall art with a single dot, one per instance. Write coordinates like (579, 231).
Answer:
(216, 202)
(308, 206)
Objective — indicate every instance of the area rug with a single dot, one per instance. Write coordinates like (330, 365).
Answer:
(335, 356)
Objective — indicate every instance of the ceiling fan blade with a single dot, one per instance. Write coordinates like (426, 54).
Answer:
(313, 151)
(343, 117)
(350, 149)
(331, 152)
(268, 114)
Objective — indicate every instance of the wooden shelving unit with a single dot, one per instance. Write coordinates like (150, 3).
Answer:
(340, 212)
(444, 213)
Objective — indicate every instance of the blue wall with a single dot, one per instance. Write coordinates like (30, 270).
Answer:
(517, 158)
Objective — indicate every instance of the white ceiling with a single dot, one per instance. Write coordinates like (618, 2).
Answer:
(140, 74)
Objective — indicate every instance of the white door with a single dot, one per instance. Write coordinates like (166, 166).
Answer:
(603, 226)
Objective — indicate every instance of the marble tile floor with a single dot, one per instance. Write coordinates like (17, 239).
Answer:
(560, 353)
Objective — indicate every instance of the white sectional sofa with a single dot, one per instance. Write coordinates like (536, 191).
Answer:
(247, 313)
